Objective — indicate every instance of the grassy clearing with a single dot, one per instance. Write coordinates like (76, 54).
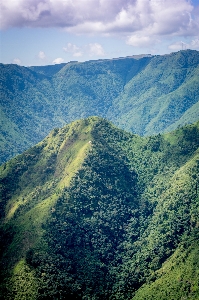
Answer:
(23, 282)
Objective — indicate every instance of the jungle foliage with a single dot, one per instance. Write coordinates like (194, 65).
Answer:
(94, 212)
(145, 95)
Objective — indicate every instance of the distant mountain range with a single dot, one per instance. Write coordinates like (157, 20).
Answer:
(95, 212)
(142, 94)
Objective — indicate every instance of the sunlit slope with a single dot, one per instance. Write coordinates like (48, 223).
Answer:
(174, 223)
(178, 276)
(31, 183)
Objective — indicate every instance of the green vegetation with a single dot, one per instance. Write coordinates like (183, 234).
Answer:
(94, 212)
(145, 95)
(177, 278)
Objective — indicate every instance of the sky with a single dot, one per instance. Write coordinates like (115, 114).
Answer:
(44, 32)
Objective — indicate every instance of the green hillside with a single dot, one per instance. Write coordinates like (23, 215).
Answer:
(145, 95)
(178, 277)
(94, 212)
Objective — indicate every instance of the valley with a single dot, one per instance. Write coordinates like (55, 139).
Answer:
(145, 95)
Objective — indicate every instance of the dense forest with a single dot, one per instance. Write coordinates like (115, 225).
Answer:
(145, 95)
(96, 212)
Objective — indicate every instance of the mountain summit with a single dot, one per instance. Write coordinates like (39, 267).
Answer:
(94, 212)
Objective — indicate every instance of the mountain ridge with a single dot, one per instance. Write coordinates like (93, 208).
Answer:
(96, 212)
(144, 95)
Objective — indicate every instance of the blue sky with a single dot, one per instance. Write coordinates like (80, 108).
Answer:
(41, 32)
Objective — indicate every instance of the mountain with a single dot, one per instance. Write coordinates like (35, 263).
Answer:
(142, 94)
(95, 212)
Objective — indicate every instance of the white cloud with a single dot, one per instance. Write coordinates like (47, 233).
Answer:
(140, 41)
(78, 54)
(194, 44)
(41, 55)
(93, 49)
(125, 17)
(96, 50)
(58, 60)
(16, 61)
(180, 45)
(73, 49)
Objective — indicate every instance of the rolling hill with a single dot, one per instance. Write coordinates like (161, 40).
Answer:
(95, 212)
(145, 95)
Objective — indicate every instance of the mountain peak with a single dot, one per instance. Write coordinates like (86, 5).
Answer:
(93, 211)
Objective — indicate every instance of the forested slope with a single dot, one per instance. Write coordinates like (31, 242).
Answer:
(144, 95)
(95, 212)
